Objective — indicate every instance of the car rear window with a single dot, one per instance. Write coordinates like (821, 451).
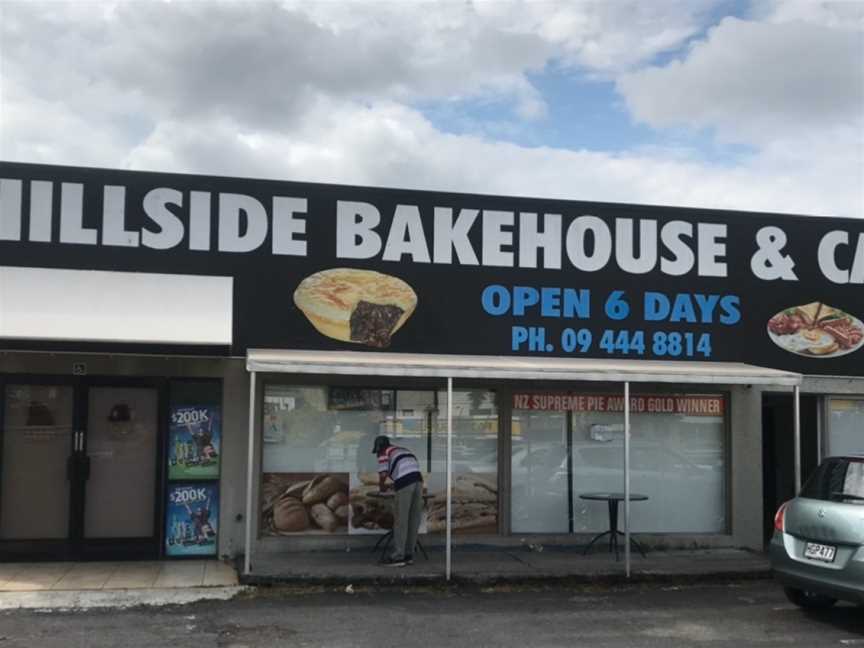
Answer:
(837, 480)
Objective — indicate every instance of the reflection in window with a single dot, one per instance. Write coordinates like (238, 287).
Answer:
(837, 480)
(677, 456)
(844, 431)
(539, 495)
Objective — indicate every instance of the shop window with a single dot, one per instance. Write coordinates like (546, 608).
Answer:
(576, 446)
(539, 495)
(320, 476)
(845, 431)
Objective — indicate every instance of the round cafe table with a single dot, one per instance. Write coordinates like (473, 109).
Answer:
(387, 539)
(612, 500)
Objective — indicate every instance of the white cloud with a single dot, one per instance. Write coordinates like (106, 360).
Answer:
(331, 92)
(391, 145)
(838, 14)
(263, 63)
(790, 87)
(756, 81)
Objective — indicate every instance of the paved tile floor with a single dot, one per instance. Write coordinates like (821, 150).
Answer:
(33, 577)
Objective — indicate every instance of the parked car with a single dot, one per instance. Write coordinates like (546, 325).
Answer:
(817, 551)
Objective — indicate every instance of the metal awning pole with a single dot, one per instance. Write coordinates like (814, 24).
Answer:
(250, 478)
(449, 472)
(626, 479)
(797, 399)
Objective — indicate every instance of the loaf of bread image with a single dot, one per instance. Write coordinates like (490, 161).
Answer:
(358, 306)
(367, 511)
(475, 505)
(324, 517)
(290, 515)
(337, 499)
(322, 487)
(304, 503)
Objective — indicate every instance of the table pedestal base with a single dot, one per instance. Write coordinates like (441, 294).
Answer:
(613, 543)
(613, 532)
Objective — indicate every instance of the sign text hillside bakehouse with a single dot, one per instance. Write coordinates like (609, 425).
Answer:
(335, 267)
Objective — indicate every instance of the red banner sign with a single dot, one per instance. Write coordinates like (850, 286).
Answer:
(640, 404)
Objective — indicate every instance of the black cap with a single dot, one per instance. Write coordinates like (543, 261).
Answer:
(381, 442)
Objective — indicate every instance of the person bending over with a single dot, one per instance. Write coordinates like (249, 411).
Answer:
(403, 469)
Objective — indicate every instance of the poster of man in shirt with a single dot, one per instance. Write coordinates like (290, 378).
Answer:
(191, 520)
(194, 442)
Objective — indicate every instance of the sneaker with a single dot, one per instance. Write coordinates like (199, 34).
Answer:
(393, 562)
(409, 560)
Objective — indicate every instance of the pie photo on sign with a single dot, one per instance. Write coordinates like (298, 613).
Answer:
(359, 306)
(816, 330)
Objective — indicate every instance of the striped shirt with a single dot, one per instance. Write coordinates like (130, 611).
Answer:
(400, 465)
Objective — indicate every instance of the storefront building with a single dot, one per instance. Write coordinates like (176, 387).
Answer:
(191, 365)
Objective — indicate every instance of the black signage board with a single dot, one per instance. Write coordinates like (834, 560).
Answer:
(332, 267)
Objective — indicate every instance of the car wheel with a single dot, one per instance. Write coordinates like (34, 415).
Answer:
(808, 600)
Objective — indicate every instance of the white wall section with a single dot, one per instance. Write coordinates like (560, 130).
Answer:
(99, 306)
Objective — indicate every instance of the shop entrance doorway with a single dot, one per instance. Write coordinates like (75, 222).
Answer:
(778, 450)
(79, 469)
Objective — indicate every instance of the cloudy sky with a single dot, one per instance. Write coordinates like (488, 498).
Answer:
(712, 103)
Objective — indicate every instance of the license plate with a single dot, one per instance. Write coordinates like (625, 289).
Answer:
(821, 552)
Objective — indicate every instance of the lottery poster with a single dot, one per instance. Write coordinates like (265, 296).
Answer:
(192, 519)
(194, 442)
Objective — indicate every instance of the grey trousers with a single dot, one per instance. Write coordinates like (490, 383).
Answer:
(407, 514)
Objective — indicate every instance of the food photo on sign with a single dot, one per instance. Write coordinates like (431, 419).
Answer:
(816, 330)
(358, 306)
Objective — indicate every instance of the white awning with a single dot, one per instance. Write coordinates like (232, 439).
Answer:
(357, 363)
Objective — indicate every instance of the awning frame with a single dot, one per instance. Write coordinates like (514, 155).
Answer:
(505, 368)
(514, 368)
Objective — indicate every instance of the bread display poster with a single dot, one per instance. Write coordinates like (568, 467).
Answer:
(192, 519)
(340, 503)
(311, 503)
(194, 442)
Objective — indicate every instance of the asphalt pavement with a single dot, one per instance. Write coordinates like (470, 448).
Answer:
(739, 613)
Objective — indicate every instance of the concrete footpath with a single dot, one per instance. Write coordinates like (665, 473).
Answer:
(519, 565)
(81, 586)
(86, 585)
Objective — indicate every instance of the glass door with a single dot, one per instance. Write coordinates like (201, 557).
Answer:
(121, 446)
(540, 489)
(36, 466)
(79, 469)
(121, 442)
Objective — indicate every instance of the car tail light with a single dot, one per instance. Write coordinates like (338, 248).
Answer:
(780, 517)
